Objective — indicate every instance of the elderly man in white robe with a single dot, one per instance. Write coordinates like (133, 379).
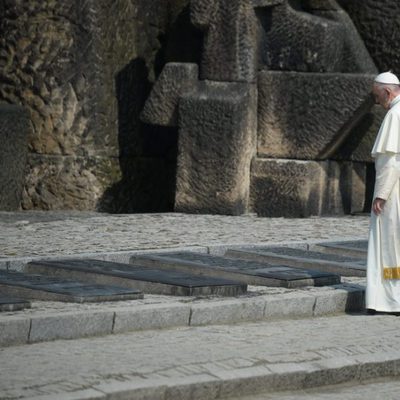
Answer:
(383, 265)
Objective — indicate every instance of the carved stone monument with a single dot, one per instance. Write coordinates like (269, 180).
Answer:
(282, 84)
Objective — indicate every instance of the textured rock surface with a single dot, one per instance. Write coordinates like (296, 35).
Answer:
(14, 131)
(290, 40)
(378, 24)
(292, 188)
(83, 70)
(161, 106)
(306, 116)
(230, 27)
(216, 144)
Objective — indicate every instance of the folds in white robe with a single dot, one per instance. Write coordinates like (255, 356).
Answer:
(383, 263)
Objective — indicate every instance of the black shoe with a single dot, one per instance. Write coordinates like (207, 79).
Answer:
(370, 311)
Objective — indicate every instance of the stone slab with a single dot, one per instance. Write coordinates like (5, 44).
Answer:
(353, 248)
(149, 280)
(298, 258)
(13, 304)
(250, 272)
(35, 286)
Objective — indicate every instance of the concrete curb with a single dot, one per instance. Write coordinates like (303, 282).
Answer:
(24, 329)
(245, 381)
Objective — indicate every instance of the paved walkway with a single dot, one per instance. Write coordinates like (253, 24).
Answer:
(193, 360)
(32, 234)
(205, 362)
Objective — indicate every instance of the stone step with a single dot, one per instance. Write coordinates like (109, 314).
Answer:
(13, 303)
(250, 272)
(47, 321)
(353, 248)
(40, 287)
(148, 280)
(299, 258)
(211, 362)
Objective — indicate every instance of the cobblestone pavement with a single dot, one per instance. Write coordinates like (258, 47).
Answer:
(29, 234)
(216, 353)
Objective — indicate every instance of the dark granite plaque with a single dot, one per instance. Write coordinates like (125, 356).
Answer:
(298, 258)
(33, 286)
(354, 248)
(251, 272)
(13, 304)
(149, 280)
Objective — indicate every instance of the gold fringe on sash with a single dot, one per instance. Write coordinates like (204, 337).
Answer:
(391, 273)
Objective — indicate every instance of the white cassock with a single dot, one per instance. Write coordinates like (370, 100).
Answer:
(383, 264)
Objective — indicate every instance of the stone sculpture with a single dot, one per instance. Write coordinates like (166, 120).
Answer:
(280, 81)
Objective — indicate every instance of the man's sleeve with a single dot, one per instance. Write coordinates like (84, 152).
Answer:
(387, 174)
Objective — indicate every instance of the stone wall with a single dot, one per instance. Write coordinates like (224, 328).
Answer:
(83, 69)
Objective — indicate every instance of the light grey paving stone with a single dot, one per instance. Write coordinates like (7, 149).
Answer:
(13, 330)
(152, 316)
(229, 311)
(71, 326)
(289, 305)
(85, 394)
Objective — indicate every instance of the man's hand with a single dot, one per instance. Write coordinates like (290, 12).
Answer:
(377, 205)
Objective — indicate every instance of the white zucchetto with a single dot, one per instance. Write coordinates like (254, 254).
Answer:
(387, 78)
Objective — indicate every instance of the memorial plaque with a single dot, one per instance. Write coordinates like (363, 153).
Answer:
(354, 248)
(149, 280)
(13, 304)
(39, 287)
(298, 258)
(250, 272)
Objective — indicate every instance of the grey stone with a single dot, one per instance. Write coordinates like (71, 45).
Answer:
(296, 305)
(151, 316)
(251, 272)
(355, 57)
(290, 40)
(227, 312)
(70, 325)
(148, 280)
(217, 140)
(161, 106)
(35, 286)
(230, 39)
(297, 188)
(298, 258)
(378, 26)
(301, 126)
(14, 330)
(15, 129)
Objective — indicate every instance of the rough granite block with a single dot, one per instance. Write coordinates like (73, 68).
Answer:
(227, 311)
(152, 316)
(294, 305)
(216, 145)
(70, 326)
(315, 119)
(14, 330)
(230, 44)
(161, 107)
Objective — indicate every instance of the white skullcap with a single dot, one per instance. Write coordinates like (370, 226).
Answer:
(387, 78)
